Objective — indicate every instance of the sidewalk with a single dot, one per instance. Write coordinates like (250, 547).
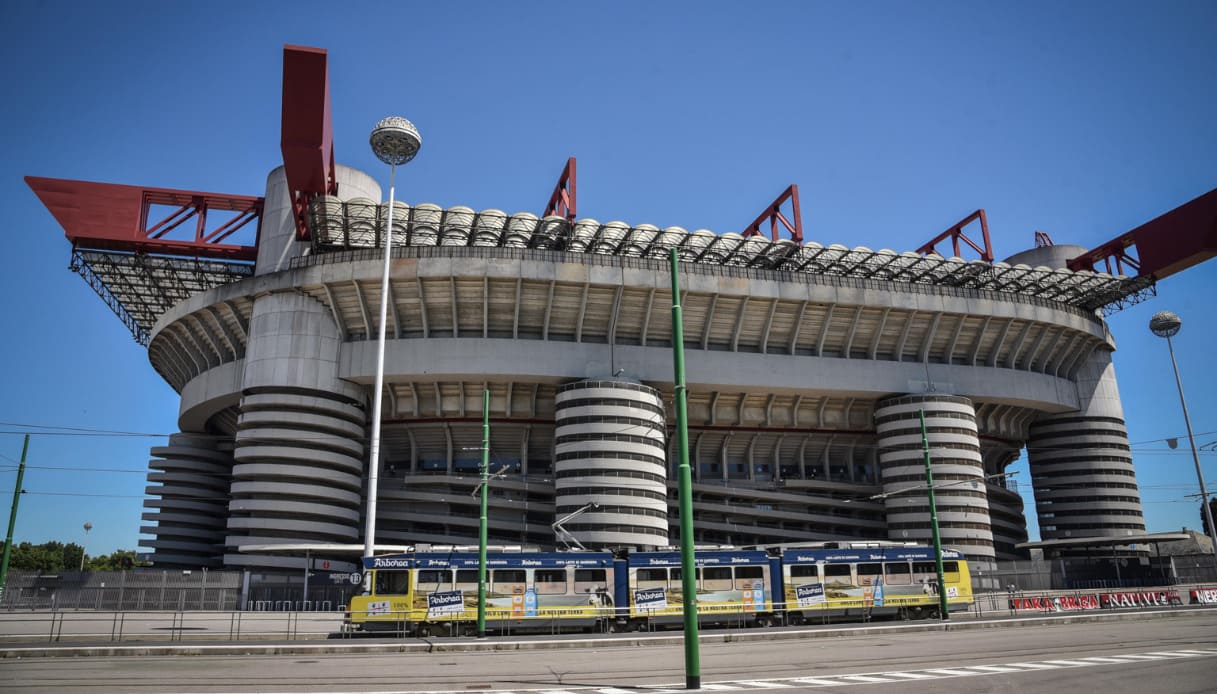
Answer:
(323, 645)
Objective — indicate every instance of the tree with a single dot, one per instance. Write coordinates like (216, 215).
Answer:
(49, 557)
(56, 557)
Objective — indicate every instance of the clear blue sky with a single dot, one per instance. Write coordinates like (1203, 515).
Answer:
(1081, 119)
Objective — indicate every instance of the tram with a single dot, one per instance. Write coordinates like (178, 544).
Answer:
(435, 592)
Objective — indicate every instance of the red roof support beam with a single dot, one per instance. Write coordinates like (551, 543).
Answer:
(562, 202)
(307, 137)
(955, 233)
(773, 214)
(1170, 243)
(112, 217)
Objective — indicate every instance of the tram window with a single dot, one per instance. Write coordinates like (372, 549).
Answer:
(840, 572)
(748, 576)
(550, 581)
(897, 574)
(591, 580)
(652, 578)
(868, 572)
(716, 578)
(392, 582)
(804, 571)
(924, 571)
(434, 579)
(950, 570)
(508, 580)
(466, 579)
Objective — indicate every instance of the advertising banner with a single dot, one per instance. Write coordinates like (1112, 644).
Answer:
(445, 604)
(1205, 596)
(651, 599)
(809, 594)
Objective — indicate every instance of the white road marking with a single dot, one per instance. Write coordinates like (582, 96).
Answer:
(865, 678)
(911, 675)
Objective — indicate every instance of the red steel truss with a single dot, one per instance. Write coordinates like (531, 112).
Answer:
(307, 139)
(113, 217)
(1170, 243)
(562, 202)
(773, 214)
(955, 233)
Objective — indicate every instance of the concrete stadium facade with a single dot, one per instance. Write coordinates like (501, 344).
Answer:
(806, 380)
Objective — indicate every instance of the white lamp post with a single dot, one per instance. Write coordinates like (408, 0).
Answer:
(88, 526)
(1166, 324)
(394, 141)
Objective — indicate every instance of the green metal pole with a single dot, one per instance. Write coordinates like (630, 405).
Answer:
(688, 565)
(929, 487)
(482, 521)
(12, 518)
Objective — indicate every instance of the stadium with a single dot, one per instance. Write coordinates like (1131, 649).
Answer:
(809, 366)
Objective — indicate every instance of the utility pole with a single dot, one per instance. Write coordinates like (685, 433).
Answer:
(12, 517)
(482, 521)
(688, 562)
(929, 487)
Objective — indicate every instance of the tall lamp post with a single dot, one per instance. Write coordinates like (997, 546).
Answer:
(88, 526)
(1166, 324)
(394, 141)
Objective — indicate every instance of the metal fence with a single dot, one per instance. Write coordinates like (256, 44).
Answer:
(123, 590)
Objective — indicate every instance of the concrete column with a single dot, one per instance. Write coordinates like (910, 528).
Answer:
(959, 486)
(609, 449)
(1081, 466)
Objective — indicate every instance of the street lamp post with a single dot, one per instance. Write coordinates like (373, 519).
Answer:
(394, 141)
(1166, 324)
(88, 526)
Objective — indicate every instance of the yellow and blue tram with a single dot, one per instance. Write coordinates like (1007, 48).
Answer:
(436, 592)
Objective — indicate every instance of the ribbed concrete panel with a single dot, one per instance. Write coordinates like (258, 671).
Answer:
(190, 477)
(292, 482)
(960, 492)
(609, 443)
(1081, 465)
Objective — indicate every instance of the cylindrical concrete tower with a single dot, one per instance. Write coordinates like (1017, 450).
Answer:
(959, 485)
(1081, 466)
(300, 455)
(609, 450)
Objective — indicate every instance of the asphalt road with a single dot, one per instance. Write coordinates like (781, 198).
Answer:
(1157, 656)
